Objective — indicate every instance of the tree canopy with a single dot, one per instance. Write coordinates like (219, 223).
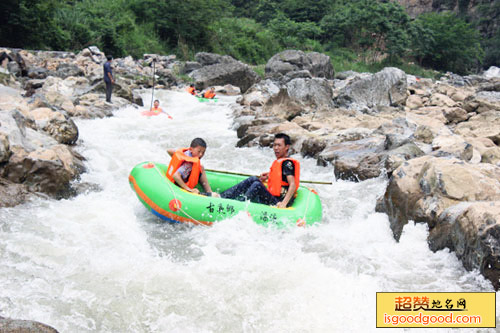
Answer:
(252, 30)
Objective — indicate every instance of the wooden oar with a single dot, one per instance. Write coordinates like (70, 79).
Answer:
(247, 175)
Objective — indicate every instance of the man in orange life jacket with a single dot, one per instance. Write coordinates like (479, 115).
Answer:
(191, 89)
(210, 93)
(282, 179)
(185, 168)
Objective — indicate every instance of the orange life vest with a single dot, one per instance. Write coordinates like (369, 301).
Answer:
(191, 90)
(275, 181)
(175, 163)
(209, 94)
(156, 110)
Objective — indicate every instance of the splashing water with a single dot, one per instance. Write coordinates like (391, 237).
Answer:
(102, 262)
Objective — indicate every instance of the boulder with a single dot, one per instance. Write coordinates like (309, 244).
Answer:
(484, 125)
(65, 70)
(311, 92)
(385, 88)
(317, 64)
(422, 188)
(56, 124)
(354, 160)
(472, 230)
(44, 170)
(259, 93)
(190, 66)
(452, 145)
(207, 59)
(11, 194)
(235, 73)
(8, 325)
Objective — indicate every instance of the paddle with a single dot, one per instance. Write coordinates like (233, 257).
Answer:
(247, 175)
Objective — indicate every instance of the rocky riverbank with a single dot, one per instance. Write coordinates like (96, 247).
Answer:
(437, 141)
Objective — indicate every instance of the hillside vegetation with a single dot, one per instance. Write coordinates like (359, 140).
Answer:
(362, 35)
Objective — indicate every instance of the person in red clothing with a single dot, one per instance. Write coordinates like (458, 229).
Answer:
(283, 179)
(185, 169)
(210, 93)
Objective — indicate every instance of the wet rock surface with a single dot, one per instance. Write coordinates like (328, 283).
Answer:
(437, 141)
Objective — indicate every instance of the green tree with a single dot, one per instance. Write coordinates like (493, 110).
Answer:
(368, 25)
(446, 42)
(296, 35)
(305, 10)
(29, 23)
(243, 39)
(182, 23)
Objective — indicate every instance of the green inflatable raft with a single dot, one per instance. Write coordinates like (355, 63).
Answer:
(203, 99)
(172, 203)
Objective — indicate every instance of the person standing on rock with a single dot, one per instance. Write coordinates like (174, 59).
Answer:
(108, 78)
(282, 179)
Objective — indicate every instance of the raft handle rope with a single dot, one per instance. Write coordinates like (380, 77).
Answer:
(307, 204)
(175, 197)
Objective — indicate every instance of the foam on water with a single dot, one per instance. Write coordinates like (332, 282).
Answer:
(102, 262)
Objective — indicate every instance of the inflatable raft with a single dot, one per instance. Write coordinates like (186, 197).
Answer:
(150, 113)
(203, 99)
(173, 204)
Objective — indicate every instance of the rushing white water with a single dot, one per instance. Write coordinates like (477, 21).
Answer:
(101, 262)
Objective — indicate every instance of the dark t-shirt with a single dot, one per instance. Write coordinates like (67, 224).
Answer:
(107, 69)
(287, 169)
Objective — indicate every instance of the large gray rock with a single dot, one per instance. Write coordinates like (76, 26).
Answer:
(44, 170)
(56, 124)
(312, 92)
(235, 73)
(190, 66)
(423, 188)
(472, 230)
(207, 59)
(385, 88)
(259, 93)
(68, 69)
(8, 325)
(12, 194)
(317, 64)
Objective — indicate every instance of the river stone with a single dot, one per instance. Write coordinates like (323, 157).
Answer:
(385, 88)
(472, 230)
(317, 64)
(235, 73)
(422, 188)
(8, 325)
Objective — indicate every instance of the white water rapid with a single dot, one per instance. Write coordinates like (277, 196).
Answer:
(100, 262)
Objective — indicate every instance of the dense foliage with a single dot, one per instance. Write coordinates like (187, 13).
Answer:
(366, 31)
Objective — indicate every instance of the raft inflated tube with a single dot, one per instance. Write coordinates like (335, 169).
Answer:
(173, 204)
(150, 113)
(203, 99)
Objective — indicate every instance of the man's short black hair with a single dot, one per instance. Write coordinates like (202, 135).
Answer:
(284, 137)
(109, 57)
(157, 101)
(198, 142)
(191, 85)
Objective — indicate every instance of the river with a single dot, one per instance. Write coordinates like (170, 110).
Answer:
(100, 262)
